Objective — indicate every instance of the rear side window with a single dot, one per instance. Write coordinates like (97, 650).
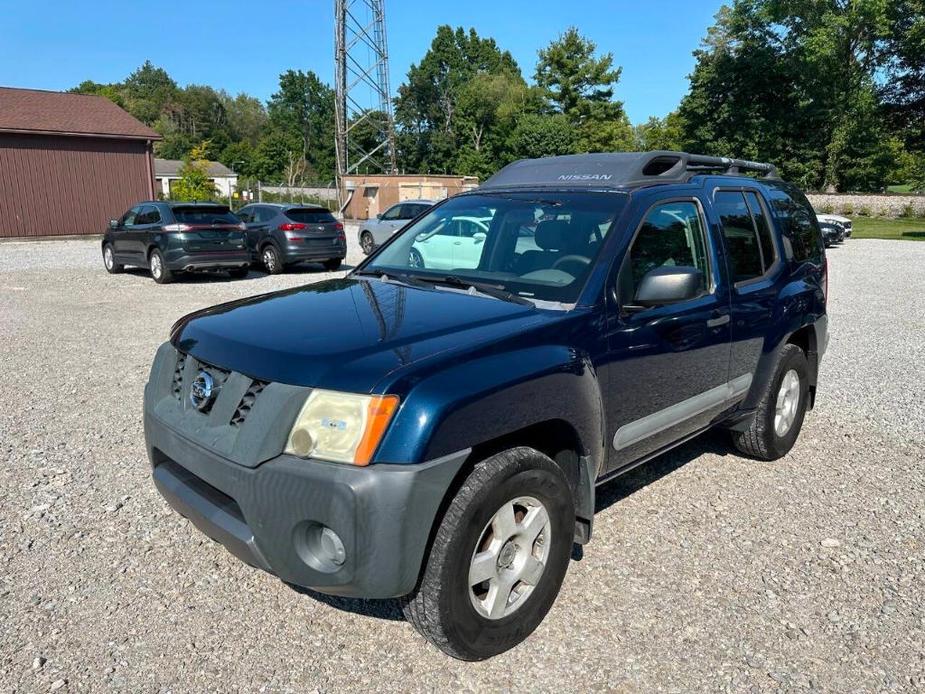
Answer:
(762, 227)
(204, 215)
(798, 220)
(742, 245)
(308, 215)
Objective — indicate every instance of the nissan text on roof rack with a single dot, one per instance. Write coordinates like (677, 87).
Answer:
(443, 444)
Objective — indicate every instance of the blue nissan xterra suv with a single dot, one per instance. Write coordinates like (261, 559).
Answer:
(436, 434)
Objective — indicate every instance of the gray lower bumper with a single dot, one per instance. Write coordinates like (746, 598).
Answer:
(383, 514)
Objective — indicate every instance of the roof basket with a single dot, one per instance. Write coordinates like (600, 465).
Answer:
(619, 170)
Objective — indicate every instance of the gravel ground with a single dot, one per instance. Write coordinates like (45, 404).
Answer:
(708, 572)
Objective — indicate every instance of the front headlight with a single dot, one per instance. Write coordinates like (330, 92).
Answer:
(341, 427)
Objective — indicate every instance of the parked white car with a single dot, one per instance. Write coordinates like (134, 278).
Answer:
(375, 232)
(836, 219)
(456, 243)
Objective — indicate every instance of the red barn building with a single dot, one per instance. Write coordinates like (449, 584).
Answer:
(69, 163)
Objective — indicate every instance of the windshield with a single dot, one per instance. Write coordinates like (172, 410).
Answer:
(535, 245)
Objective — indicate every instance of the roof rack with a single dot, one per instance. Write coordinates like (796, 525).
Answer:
(618, 170)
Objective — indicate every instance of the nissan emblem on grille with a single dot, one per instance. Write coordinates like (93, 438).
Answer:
(202, 391)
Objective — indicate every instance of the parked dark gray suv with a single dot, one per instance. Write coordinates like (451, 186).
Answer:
(281, 235)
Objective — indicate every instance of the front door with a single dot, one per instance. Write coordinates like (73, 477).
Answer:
(667, 366)
(122, 244)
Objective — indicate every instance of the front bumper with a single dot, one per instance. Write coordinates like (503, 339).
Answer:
(383, 514)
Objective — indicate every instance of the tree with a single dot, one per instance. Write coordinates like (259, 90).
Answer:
(147, 91)
(303, 111)
(661, 134)
(431, 128)
(580, 86)
(793, 81)
(537, 135)
(194, 183)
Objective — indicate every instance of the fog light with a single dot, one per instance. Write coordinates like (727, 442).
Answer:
(320, 547)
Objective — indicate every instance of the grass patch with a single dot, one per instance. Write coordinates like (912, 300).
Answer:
(881, 228)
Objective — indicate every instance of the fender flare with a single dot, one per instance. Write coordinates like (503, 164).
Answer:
(478, 401)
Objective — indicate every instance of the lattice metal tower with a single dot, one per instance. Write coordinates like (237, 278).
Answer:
(362, 89)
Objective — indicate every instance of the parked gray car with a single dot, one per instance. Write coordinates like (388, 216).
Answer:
(375, 232)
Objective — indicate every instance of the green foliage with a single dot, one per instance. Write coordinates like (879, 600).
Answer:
(575, 81)
(796, 82)
(194, 183)
(537, 135)
(302, 112)
(660, 134)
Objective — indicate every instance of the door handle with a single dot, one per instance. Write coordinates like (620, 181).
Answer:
(717, 320)
(457, 243)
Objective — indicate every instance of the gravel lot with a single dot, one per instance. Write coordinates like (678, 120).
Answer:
(708, 571)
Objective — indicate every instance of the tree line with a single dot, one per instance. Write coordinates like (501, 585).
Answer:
(832, 91)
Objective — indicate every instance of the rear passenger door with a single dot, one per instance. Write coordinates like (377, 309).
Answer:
(667, 367)
(753, 264)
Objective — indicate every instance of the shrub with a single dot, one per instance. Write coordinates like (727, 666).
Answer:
(827, 208)
(908, 210)
(865, 211)
(847, 209)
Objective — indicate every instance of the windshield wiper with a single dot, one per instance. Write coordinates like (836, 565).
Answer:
(394, 276)
(493, 290)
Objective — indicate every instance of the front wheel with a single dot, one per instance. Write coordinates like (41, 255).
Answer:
(498, 558)
(779, 418)
(415, 259)
(159, 270)
(109, 260)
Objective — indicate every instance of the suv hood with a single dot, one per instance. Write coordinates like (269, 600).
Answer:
(345, 334)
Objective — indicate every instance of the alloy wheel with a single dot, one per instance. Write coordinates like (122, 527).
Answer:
(788, 402)
(510, 557)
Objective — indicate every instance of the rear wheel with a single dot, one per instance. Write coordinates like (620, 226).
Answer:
(159, 270)
(109, 261)
(367, 243)
(779, 418)
(498, 558)
(332, 264)
(271, 259)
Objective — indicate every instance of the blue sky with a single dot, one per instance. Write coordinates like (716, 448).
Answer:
(243, 46)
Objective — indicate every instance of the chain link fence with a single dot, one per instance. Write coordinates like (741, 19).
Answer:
(248, 191)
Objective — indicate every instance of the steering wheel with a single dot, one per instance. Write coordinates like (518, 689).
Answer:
(576, 260)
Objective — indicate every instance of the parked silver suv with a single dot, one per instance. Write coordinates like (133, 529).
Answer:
(375, 232)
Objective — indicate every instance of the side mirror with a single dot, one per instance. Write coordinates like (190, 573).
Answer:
(479, 236)
(113, 223)
(379, 216)
(668, 284)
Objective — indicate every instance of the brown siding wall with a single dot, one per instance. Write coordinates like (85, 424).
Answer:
(51, 185)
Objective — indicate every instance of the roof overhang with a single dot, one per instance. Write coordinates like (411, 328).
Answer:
(63, 133)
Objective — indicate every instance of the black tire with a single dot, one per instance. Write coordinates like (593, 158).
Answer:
(761, 440)
(332, 264)
(271, 260)
(109, 261)
(239, 273)
(158, 266)
(367, 243)
(441, 607)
